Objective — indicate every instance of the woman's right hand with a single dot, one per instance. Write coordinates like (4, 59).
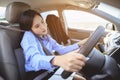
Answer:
(72, 61)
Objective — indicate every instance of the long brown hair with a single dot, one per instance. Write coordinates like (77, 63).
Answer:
(26, 19)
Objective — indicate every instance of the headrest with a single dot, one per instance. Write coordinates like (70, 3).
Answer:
(14, 10)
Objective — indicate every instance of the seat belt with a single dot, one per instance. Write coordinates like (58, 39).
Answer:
(10, 28)
(42, 76)
(47, 52)
(46, 75)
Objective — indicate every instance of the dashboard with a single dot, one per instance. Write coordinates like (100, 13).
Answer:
(112, 40)
(112, 45)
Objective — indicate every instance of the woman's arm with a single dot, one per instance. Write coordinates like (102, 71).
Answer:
(62, 49)
(65, 49)
(35, 57)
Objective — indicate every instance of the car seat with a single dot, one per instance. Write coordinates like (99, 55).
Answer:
(56, 29)
(12, 68)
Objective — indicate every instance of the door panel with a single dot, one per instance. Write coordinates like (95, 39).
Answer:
(78, 33)
(81, 34)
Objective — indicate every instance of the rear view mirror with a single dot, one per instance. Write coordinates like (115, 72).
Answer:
(110, 26)
(87, 3)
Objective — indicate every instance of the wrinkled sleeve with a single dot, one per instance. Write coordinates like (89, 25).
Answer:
(34, 54)
(63, 49)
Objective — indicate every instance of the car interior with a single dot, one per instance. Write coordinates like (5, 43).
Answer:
(100, 66)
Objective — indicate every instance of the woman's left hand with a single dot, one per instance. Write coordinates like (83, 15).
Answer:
(82, 42)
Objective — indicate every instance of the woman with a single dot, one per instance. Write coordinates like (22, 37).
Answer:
(36, 37)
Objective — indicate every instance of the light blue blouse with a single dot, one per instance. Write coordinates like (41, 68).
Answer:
(35, 57)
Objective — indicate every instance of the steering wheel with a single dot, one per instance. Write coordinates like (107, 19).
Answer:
(88, 46)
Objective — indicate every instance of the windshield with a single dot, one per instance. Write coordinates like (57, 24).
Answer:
(83, 20)
(109, 10)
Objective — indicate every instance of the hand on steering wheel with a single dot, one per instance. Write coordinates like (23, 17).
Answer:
(88, 46)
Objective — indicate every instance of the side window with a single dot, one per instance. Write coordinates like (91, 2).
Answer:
(44, 14)
(83, 20)
(2, 14)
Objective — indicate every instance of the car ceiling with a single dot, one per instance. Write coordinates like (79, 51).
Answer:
(62, 3)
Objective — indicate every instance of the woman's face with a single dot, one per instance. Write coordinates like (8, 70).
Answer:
(39, 27)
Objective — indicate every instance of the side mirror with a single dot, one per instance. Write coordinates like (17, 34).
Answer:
(110, 26)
